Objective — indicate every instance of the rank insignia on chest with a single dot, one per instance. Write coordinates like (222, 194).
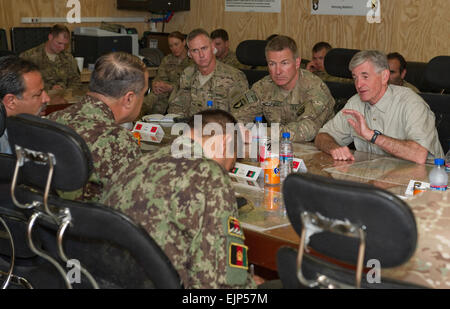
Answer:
(238, 256)
(234, 228)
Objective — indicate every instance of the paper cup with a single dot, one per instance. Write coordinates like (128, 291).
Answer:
(80, 62)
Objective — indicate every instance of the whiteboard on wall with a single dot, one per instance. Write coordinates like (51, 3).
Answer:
(261, 6)
(345, 7)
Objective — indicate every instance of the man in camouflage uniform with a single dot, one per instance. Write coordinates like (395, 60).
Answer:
(182, 195)
(296, 99)
(316, 65)
(169, 72)
(117, 88)
(221, 42)
(58, 67)
(208, 79)
(397, 68)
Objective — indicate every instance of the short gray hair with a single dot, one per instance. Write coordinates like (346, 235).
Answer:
(195, 33)
(377, 58)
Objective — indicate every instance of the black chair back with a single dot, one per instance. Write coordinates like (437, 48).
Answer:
(3, 40)
(252, 53)
(337, 60)
(440, 105)
(24, 38)
(437, 73)
(388, 223)
(51, 232)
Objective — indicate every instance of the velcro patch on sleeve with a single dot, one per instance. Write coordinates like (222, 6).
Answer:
(238, 256)
(234, 228)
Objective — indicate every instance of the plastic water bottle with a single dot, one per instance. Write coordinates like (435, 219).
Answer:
(438, 177)
(447, 160)
(209, 104)
(257, 134)
(286, 156)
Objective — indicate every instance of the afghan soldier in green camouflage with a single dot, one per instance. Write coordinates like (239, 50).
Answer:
(117, 88)
(57, 66)
(188, 205)
(296, 99)
(397, 68)
(208, 79)
(168, 76)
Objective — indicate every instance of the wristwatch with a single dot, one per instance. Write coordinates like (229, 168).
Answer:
(375, 135)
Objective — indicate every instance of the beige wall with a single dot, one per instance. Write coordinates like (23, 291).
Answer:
(419, 29)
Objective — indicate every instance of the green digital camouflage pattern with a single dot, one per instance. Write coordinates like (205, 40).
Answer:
(232, 60)
(111, 145)
(169, 71)
(225, 85)
(430, 264)
(328, 78)
(302, 111)
(63, 71)
(184, 204)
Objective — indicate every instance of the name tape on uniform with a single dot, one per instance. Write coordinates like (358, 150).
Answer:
(245, 171)
(149, 132)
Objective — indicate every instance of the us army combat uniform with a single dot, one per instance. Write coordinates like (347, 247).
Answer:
(63, 71)
(169, 71)
(328, 78)
(302, 111)
(225, 85)
(232, 60)
(111, 146)
(429, 265)
(188, 205)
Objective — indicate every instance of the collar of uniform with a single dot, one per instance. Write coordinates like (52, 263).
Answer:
(384, 103)
(188, 148)
(107, 112)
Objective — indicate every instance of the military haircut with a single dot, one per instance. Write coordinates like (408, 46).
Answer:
(220, 33)
(321, 45)
(377, 58)
(58, 29)
(400, 58)
(195, 33)
(220, 117)
(117, 73)
(281, 42)
(12, 69)
(270, 37)
(177, 35)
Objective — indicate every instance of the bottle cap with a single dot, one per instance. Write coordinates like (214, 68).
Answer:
(258, 118)
(286, 135)
(439, 161)
(209, 103)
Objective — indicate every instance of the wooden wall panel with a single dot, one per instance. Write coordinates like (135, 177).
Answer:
(419, 29)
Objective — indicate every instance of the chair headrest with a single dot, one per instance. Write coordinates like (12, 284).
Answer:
(391, 232)
(252, 52)
(337, 60)
(2, 118)
(73, 159)
(437, 72)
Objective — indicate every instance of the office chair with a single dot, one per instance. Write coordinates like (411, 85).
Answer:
(347, 222)
(437, 74)
(252, 53)
(336, 64)
(58, 243)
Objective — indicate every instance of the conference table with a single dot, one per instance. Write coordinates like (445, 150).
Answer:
(267, 227)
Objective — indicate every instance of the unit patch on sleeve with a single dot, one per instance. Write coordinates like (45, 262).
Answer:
(234, 228)
(238, 256)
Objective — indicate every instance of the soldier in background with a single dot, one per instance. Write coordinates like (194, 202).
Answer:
(195, 225)
(221, 42)
(295, 98)
(316, 65)
(168, 75)
(397, 68)
(207, 79)
(57, 65)
(117, 88)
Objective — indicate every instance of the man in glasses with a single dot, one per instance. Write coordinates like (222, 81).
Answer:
(117, 89)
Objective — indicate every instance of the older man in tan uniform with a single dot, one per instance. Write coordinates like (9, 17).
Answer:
(381, 118)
